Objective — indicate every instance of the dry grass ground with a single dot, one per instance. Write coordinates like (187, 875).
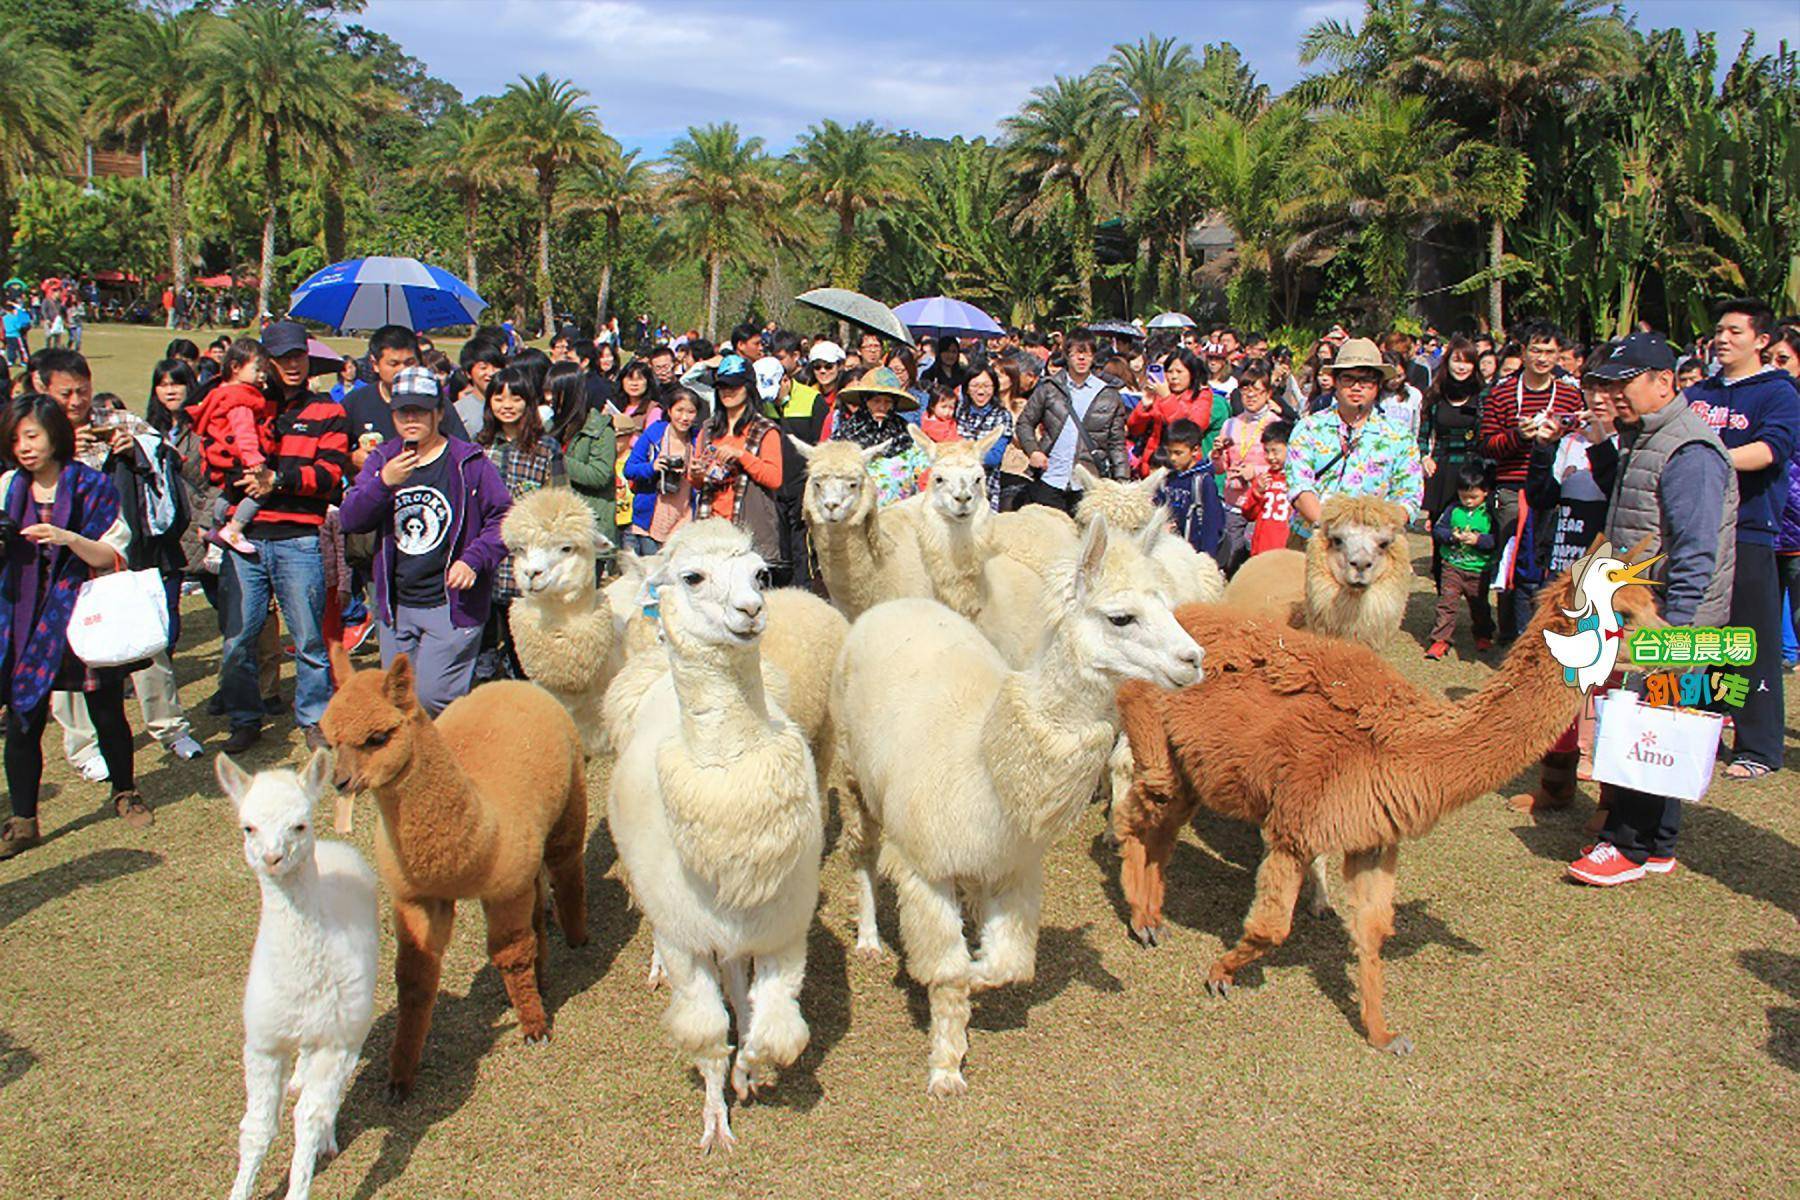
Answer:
(1643, 1041)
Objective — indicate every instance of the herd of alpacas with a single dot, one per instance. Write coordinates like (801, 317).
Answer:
(976, 680)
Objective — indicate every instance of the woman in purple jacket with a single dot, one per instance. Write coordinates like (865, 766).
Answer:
(436, 504)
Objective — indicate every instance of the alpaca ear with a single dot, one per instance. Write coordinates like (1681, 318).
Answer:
(1093, 553)
(316, 778)
(876, 451)
(1152, 483)
(1152, 533)
(1638, 551)
(341, 670)
(923, 441)
(986, 441)
(234, 781)
(804, 449)
(1086, 478)
(398, 687)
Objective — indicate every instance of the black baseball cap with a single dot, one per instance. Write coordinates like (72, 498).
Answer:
(1634, 355)
(284, 337)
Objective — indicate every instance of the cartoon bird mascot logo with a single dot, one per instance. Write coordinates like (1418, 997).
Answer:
(1588, 655)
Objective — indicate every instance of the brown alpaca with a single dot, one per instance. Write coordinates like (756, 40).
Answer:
(474, 806)
(1327, 748)
(1351, 582)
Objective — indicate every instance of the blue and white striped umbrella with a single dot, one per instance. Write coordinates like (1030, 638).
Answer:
(935, 316)
(367, 293)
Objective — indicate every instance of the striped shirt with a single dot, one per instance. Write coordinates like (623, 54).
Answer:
(312, 454)
(1507, 401)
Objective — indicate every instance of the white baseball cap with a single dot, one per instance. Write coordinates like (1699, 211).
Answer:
(823, 351)
(768, 377)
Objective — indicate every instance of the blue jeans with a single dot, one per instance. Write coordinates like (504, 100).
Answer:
(642, 544)
(292, 571)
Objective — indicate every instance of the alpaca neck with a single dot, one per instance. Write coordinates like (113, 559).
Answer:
(431, 812)
(720, 689)
(953, 558)
(292, 899)
(850, 558)
(1047, 736)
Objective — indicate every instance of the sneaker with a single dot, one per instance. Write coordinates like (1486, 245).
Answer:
(214, 559)
(315, 738)
(94, 770)
(186, 748)
(274, 706)
(356, 633)
(242, 738)
(1484, 644)
(1604, 866)
(1658, 865)
(216, 706)
(1437, 651)
(228, 537)
(132, 810)
(18, 835)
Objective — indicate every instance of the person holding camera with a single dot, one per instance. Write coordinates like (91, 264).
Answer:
(659, 471)
(435, 504)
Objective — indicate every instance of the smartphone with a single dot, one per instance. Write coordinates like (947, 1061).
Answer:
(409, 446)
(1155, 374)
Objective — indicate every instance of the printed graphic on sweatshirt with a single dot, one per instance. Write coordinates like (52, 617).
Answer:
(421, 520)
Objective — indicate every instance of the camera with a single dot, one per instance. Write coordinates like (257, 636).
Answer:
(671, 471)
(9, 531)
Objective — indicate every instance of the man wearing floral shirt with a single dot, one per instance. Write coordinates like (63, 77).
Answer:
(1351, 450)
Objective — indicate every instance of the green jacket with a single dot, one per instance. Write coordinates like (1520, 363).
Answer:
(591, 459)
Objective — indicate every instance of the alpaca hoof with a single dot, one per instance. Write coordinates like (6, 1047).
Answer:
(944, 1084)
(1150, 936)
(398, 1092)
(1113, 841)
(1399, 1046)
(658, 973)
(1321, 907)
(1220, 988)
(576, 943)
(871, 949)
(715, 1133)
(540, 1038)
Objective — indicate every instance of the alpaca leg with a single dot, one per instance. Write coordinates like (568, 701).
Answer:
(862, 837)
(421, 931)
(264, 1075)
(1271, 917)
(1119, 772)
(735, 975)
(1319, 871)
(778, 1031)
(1009, 930)
(540, 928)
(697, 1022)
(1145, 850)
(563, 858)
(315, 1115)
(659, 974)
(512, 948)
(1370, 876)
(937, 956)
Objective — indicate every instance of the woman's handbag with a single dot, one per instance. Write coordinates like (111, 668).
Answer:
(120, 618)
(1663, 751)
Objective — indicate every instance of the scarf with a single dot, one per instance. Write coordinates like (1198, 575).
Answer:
(87, 503)
(856, 425)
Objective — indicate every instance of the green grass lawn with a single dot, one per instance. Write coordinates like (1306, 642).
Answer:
(1643, 1041)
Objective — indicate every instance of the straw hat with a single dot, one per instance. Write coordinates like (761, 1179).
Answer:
(883, 382)
(1361, 352)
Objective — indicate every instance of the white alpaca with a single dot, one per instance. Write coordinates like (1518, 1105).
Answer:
(310, 996)
(1132, 508)
(867, 554)
(949, 521)
(715, 810)
(963, 772)
(565, 630)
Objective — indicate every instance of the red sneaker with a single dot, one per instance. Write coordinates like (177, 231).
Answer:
(1484, 644)
(355, 635)
(1604, 866)
(1658, 865)
(1437, 651)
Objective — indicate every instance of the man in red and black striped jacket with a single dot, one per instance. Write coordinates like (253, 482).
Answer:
(301, 479)
(1534, 397)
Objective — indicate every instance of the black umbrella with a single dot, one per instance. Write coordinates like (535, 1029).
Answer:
(859, 310)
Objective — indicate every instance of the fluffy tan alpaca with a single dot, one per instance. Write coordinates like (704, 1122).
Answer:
(866, 554)
(477, 805)
(565, 631)
(961, 772)
(1351, 582)
(1329, 749)
(716, 814)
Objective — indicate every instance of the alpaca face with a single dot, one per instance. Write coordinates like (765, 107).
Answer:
(554, 541)
(1121, 619)
(712, 592)
(838, 490)
(1362, 542)
(369, 726)
(565, 568)
(275, 811)
(958, 487)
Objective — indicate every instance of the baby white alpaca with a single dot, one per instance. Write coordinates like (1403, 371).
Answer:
(311, 993)
(963, 772)
(714, 806)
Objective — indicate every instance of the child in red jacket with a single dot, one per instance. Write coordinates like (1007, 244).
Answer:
(939, 421)
(1265, 504)
(236, 424)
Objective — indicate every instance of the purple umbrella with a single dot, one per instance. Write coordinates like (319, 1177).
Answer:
(935, 316)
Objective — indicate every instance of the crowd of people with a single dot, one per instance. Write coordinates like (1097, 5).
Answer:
(365, 497)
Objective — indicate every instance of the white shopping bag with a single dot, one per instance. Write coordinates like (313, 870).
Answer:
(120, 618)
(1664, 751)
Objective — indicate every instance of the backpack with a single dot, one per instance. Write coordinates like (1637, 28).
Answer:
(160, 486)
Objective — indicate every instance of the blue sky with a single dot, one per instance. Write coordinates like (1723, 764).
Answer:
(941, 67)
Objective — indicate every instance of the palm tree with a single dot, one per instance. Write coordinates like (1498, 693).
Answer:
(1243, 169)
(844, 171)
(1150, 80)
(616, 188)
(456, 154)
(720, 186)
(542, 124)
(270, 91)
(1516, 58)
(1060, 144)
(1382, 51)
(34, 129)
(144, 69)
